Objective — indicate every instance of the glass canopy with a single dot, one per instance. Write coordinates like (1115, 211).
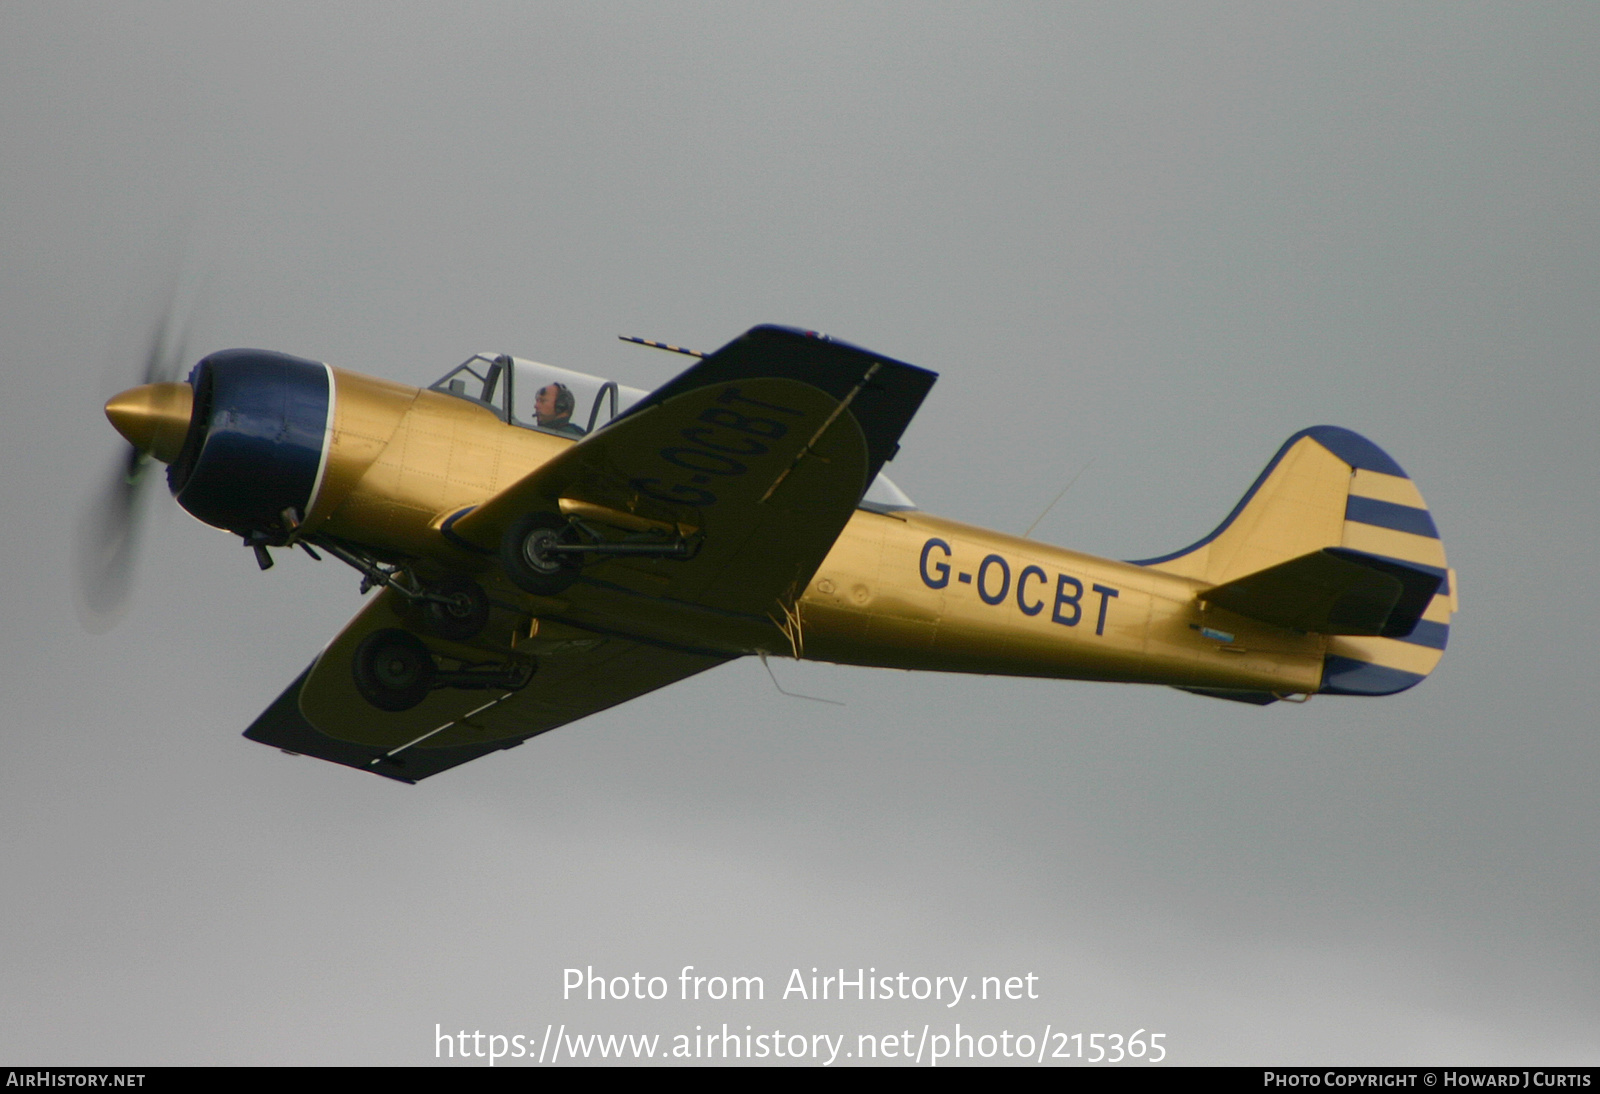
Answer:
(537, 396)
(575, 404)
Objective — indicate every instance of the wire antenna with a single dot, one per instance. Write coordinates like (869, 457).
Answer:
(659, 345)
(792, 694)
(1058, 497)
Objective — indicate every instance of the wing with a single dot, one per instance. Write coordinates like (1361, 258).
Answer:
(759, 454)
(323, 713)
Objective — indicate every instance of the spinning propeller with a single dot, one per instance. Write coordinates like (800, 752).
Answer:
(154, 418)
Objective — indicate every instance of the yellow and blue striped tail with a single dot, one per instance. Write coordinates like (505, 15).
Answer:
(1330, 487)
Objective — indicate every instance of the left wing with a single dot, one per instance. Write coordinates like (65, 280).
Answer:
(760, 453)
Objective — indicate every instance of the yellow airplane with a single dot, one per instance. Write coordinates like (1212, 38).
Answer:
(549, 544)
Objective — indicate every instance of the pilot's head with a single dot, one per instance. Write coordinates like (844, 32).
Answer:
(553, 405)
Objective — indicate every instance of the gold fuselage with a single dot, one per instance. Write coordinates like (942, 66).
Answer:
(900, 589)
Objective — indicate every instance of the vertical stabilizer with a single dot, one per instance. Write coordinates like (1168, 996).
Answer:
(1329, 487)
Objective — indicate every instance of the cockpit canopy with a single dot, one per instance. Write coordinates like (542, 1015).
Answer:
(511, 388)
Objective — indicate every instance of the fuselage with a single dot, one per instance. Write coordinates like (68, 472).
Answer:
(900, 588)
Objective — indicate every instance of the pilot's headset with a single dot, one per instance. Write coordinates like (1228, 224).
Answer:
(565, 403)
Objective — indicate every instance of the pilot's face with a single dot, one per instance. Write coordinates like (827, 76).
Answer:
(544, 403)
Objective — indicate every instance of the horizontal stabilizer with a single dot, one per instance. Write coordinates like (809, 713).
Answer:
(1333, 591)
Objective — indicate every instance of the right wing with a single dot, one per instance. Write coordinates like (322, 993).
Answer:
(580, 673)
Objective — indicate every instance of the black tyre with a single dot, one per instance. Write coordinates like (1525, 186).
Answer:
(525, 552)
(393, 669)
(464, 618)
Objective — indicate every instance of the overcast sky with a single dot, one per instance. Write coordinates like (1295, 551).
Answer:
(1140, 243)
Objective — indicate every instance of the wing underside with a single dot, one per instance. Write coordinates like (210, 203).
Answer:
(322, 713)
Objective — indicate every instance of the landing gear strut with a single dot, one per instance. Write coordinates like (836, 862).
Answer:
(456, 609)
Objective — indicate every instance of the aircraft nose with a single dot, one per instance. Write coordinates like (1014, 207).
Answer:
(154, 418)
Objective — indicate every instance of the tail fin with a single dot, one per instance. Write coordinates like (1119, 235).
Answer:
(1330, 488)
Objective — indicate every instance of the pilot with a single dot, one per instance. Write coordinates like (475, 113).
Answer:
(552, 408)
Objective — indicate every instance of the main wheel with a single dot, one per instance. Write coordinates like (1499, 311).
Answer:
(526, 553)
(393, 669)
(464, 618)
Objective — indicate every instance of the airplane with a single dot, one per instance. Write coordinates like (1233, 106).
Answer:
(548, 544)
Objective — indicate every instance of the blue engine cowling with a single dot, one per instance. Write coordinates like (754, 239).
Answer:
(257, 441)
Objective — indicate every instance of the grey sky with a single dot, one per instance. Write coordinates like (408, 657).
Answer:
(1153, 240)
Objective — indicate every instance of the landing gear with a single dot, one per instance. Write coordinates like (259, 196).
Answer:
(393, 669)
(532, 557)
(543, 553)
(456, 609)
